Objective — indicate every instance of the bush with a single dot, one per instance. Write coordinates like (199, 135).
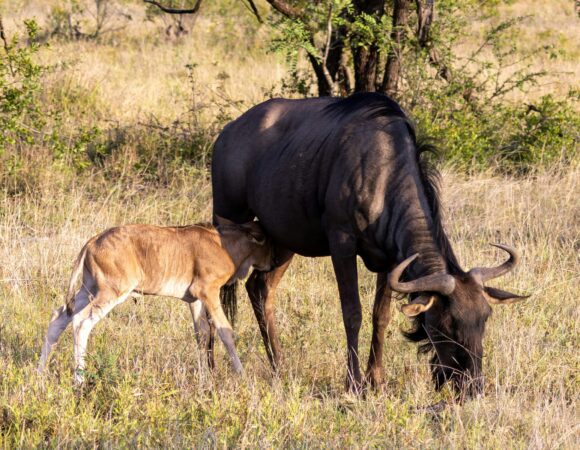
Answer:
(20, 82)
(510, 138)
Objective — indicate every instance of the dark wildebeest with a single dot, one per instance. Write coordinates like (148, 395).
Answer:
(345, 177)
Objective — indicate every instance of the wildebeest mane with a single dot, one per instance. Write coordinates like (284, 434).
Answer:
(372, 106)
(367, 106)
(430, 178)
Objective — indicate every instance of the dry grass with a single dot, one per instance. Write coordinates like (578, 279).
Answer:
(147, 387)
(549, 33)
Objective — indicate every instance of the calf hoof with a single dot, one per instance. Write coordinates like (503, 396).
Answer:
(237, 366)
(79, 377)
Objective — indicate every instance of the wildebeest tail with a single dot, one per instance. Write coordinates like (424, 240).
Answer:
(76, 273)
(229, 301)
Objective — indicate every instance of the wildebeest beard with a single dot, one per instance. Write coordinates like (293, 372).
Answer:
(451, 360)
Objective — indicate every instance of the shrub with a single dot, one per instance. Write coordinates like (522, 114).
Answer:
(20, 82)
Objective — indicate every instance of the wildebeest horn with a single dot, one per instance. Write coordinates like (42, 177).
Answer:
(488, 273)
(441, 282)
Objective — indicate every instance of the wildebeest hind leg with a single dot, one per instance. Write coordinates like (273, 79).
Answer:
(261, 287)
(381, 318)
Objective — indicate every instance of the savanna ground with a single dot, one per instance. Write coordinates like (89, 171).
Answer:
(146, 385)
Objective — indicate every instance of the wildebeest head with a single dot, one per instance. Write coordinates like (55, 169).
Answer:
(451, 312)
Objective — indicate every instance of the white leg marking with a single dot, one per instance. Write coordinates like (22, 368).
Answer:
(59, 320)
(83, 323)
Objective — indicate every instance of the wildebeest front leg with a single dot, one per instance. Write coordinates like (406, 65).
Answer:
(347, 279)
(381, 318)
(261, 287)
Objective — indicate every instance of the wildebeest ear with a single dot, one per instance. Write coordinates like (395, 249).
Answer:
(418, 305)
(496, 296)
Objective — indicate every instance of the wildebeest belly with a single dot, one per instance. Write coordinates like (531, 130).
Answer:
(292, 230)
(283, 194)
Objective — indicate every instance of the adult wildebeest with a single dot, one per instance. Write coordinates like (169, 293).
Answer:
(345, 177)
(191, 263)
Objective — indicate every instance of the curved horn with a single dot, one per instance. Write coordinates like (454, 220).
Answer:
(488, 273)
(441, 282)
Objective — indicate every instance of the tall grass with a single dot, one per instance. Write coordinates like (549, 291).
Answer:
(146, 385)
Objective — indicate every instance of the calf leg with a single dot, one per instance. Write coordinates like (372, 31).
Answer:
(261, 287)
(85, 320)
(58, 323)
(203, 330)
(381, 318)
(211, 298)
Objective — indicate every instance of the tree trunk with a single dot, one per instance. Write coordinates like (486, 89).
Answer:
(366, 58)
(324, 90)
(393, 66)
(365, 67)
(424, 19)
(425, 9)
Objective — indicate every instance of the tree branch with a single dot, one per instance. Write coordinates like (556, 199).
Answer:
(425, 10)
(393, 65)
(252, 7)
(329, 80)
(3, 37)
(6, 46)
(284, 8)
(193, 10)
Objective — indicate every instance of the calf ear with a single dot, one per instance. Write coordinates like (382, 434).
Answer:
(221, 221)
(496, 296)
(254, 232)
(419, 305)
(257, 237)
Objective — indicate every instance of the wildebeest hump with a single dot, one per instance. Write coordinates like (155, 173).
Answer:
(300, 165)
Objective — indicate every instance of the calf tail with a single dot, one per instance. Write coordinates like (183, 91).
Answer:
(229, 301)
(76, 273)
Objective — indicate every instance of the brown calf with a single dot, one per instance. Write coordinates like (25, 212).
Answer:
(190, 263)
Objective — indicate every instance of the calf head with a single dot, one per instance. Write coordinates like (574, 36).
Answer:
(451, 313)
(247, 244)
